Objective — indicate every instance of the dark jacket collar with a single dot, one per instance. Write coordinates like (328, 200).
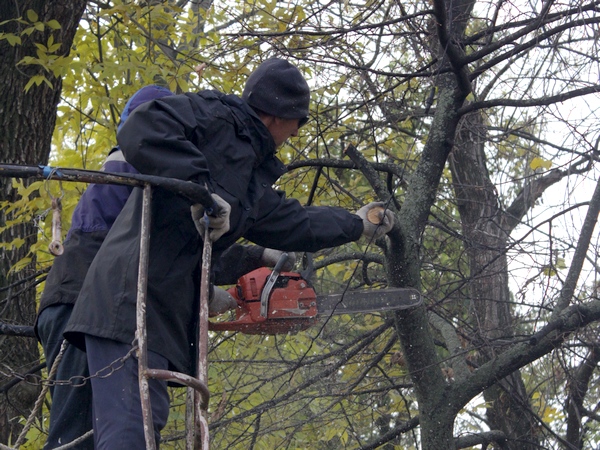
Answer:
(251, 127)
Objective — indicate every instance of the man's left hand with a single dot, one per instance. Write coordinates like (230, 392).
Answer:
(270, 257)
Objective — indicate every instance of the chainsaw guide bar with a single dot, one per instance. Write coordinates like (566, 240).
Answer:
(270, 302)
(352, 302)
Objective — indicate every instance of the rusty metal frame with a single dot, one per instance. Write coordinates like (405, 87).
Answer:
(197, 433)
(197, 437)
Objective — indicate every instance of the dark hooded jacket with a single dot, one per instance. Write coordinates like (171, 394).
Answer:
(93, 216)
(211, 139)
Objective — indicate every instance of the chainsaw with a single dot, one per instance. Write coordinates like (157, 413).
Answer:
(275, 302)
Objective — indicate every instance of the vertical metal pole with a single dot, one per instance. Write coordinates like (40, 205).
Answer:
(141, 319)
(190, 426)
(202, 436)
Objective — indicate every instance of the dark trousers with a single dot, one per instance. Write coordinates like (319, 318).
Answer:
(71, 409)
(116, 397)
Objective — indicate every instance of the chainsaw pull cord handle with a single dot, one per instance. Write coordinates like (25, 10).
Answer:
(266, 293)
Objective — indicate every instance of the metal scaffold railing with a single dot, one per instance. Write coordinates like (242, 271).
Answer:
(197, 433)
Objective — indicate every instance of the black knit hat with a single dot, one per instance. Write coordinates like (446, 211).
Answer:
(278, 88)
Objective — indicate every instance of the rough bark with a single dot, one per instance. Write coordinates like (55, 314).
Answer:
(436, 418)
(436, 411)
(486, 233)
(27, 121)
(577, 387)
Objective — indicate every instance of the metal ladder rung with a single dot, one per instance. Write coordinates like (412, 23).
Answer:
(183, 379)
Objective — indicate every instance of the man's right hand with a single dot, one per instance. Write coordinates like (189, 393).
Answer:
(377, 220)
(218, 225)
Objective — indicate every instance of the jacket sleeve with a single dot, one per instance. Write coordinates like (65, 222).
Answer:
(160, 138)
(236, 261)
(289, 226)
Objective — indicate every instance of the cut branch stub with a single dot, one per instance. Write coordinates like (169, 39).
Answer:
(376, 214)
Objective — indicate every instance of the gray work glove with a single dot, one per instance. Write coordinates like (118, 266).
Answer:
(377, 220)
(220, 302)
(218, 225)
(270, 257)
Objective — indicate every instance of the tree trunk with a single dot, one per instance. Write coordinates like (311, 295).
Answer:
(486, 235)
(577, 388)
(27, 121)
(436, 413)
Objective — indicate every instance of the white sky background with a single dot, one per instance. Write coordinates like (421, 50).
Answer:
(563, 63)
(556, 201)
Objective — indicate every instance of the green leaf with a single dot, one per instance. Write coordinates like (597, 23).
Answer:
(549, 271)
(32, 16)
(37, 80)
(560, 263)
(27, 31)
(54, 24)
(54, 47)
(12, 39)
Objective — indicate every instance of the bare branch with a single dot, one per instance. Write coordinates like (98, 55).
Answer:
(542, 101)
(585, 237)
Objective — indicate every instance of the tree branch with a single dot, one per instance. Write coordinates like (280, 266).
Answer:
(530, 193)
(577, 388)
(459, 364)
(522, 353)
(583, 244)
(16, 330)
(342, 164)
(542, 101)
(482, 439)
(534, 41)
(394, 433)
(369, 172)
(452, 51)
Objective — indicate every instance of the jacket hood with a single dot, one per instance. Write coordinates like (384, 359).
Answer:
(143, 95)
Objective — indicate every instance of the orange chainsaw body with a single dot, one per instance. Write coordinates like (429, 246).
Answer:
(291, 307)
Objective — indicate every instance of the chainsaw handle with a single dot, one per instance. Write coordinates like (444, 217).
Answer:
(280, 263)
(264, 296)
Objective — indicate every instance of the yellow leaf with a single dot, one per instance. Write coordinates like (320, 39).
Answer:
(538, 163)
(344, 437)
(549, 271)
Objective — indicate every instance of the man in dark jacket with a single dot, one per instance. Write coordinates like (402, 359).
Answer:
(99, 206)
(228, 144)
